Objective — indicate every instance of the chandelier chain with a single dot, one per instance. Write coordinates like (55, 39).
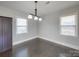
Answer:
(36, 8)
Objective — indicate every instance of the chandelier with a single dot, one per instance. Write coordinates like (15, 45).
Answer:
(35, 16)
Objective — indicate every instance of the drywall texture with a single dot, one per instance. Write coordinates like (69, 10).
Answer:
(49, 28)
(32, 31)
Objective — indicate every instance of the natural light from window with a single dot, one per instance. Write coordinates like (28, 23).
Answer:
(21, 26)
(68, 25)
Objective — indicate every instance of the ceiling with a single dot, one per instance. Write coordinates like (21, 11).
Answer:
(43, 8)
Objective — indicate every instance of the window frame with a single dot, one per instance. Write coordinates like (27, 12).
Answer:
(26, 26)
(76, 25)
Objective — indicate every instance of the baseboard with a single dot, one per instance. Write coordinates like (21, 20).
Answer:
(19, 42)
(67, 45)
(60, 43)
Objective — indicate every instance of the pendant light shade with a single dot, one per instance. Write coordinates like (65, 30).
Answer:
(40, 19)
(35, 18)
(30, 16)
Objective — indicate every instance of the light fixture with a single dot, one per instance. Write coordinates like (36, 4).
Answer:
(35, 18)
(40, 19)
(30, 16)
(35, 15)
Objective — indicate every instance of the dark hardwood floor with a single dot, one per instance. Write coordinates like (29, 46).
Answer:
(40, 48)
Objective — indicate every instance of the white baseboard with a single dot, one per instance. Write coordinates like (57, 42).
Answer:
(19, 42)
(67, 45)
(64, 44)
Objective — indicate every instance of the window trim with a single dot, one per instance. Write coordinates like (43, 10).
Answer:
(76, 25)
(26, 26)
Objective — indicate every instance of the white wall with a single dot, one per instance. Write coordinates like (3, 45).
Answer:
(32, 31)
(49, 28)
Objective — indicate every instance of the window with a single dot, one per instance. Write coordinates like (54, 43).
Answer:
(68, 25)
(21, 26)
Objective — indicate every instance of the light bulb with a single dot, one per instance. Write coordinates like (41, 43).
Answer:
(40, 19)
(35, 18)
(30, 17)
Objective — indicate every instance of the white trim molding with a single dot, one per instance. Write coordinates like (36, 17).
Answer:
(19, 42)
(64, 44)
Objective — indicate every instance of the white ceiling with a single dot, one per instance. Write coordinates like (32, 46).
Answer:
(43, 8)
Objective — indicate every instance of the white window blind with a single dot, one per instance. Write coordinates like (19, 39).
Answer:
(21, 26)
(68, 25)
